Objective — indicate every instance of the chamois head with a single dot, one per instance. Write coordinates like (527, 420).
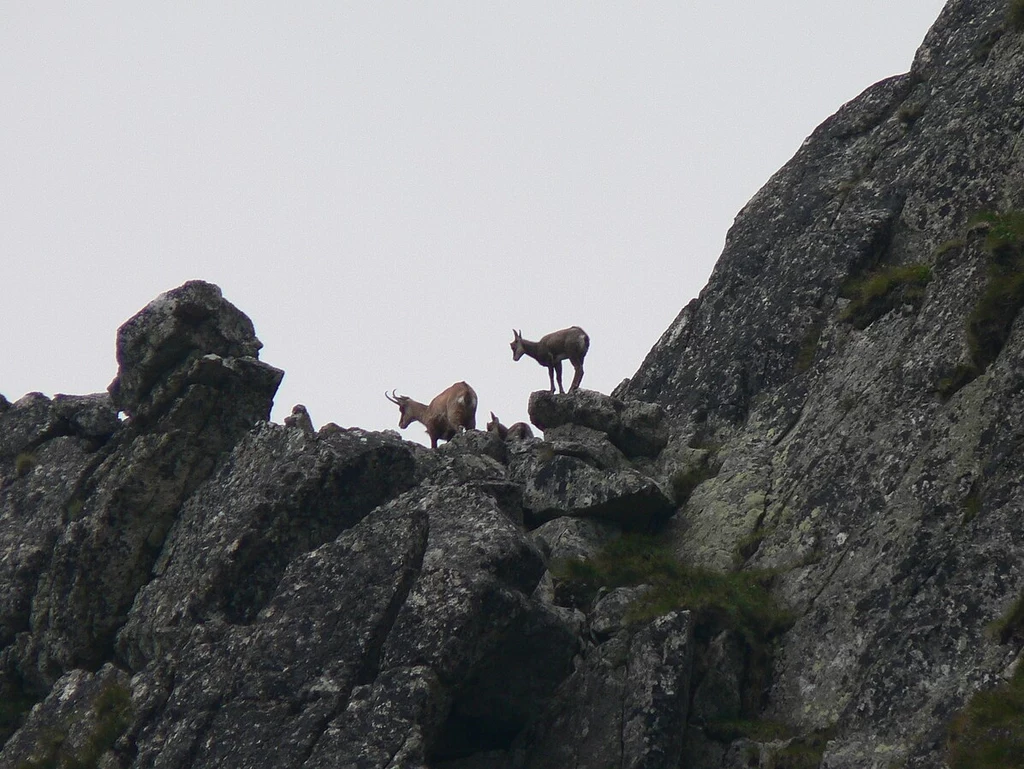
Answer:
(495, 426)
(405, 418)
(517, 345)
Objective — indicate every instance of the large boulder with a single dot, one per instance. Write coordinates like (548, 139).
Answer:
(394, 639)
(637, 429)
(160, 344)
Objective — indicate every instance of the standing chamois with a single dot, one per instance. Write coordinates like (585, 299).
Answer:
(568, 344)
(453, 411)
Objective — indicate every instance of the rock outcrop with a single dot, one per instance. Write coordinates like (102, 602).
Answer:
(866, 443)
(194, 586)
(790, 539)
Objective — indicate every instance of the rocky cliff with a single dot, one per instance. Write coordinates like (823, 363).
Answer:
(791, 539)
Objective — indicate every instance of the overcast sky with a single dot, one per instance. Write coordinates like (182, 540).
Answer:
(387, 189)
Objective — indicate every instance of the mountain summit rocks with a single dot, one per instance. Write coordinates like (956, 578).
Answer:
(195, 586)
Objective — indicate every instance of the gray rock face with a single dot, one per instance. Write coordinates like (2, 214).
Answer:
(281, 493)
(889, 505)
(567, 537)
(80, 720)
(48, 448)
(626, 705)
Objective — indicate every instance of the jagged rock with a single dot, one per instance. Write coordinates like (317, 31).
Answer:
(387, 724)
(579, 538)
(469, 618)
(477, 442)
(269, 689)
(626, 705)
(587, 444)
(168, 336)
(565, 486)
(474, 459)
(48, 449)
(637, 429)
(125, 505)
(35, 419)
(610, 614)
(718, 680)
(77, 724)
(26, 423)
(40, 496)
(282, 493)
(885, 498)
(722, 514)
(87, 416)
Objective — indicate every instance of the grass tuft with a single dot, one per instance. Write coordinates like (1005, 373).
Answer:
(1011, 625)
(798, 751)
(25, 463)
(989, 732)
(112, 711)
(878, 292)
(988, 326)
(992, 318)
(1015, 15)
(808, 348)
(738, 601)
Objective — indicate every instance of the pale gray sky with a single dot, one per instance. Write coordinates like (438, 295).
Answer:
(387, 189)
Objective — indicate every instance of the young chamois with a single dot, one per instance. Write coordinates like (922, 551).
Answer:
(568, 344)
(517, 431)
(453, 411)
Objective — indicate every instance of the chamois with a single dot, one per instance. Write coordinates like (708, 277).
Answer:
(517, 431)
(568, 344)
(453, 411)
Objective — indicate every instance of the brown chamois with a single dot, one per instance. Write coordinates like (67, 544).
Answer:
(568, 344)
(453, 411)
(518, 431)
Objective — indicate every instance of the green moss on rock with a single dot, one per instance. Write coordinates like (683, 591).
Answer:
(738, 601)
(989, 732)
(878, 292)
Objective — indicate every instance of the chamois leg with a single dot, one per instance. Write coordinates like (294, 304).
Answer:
(577, 377)
(558, 374)
(551, 376)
